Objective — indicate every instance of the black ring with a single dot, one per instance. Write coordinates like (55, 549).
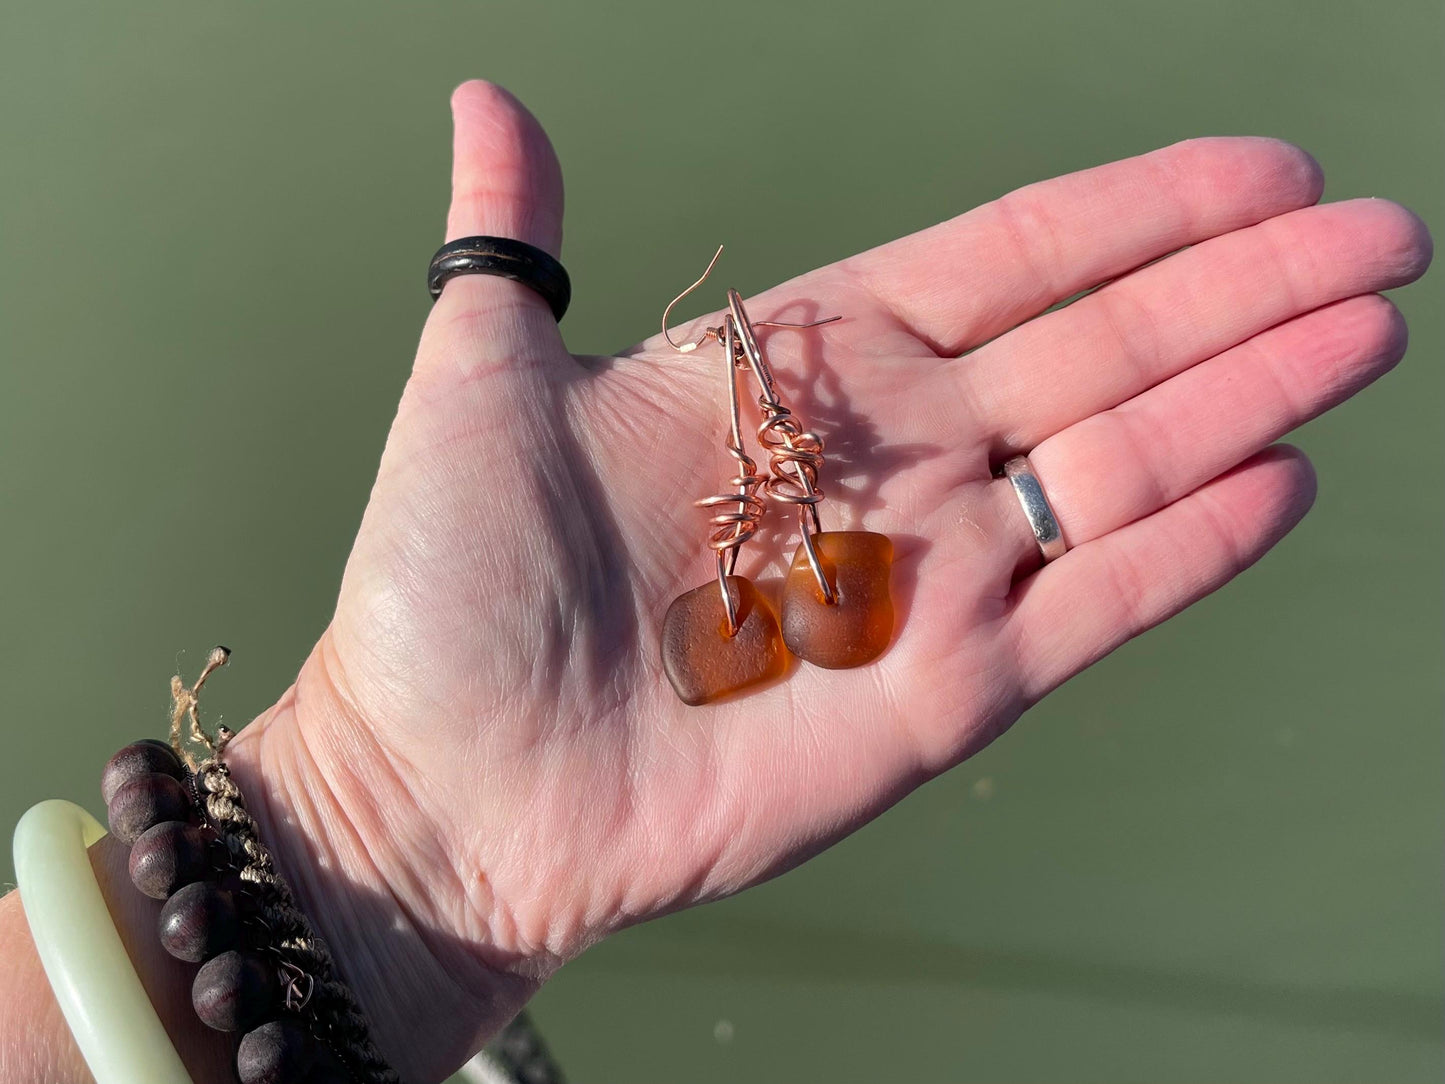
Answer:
(503, 256)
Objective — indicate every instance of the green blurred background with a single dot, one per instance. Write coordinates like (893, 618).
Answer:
(1216, 856)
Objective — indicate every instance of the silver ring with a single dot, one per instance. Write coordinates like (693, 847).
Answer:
(1020, 472)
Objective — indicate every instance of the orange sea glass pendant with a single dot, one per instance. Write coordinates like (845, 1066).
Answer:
(701, 660)
(856, 626)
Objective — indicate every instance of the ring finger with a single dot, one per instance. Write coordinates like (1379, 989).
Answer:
(1128, 462)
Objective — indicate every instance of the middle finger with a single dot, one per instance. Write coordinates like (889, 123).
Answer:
(1158, 321)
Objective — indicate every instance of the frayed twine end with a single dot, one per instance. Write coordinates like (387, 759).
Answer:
(185, 708)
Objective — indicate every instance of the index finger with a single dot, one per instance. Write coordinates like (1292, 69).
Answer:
(964, 281)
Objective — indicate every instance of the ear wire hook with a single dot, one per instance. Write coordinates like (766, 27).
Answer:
(710, 333)
(715, 334)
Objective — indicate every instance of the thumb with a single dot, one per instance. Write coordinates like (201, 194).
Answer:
(506, 182)
(505, 178)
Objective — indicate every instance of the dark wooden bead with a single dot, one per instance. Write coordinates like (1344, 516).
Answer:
(233, 992)
(138, 758)
(199, 922)
(278, 1052)
(145, 801)
(167, 857)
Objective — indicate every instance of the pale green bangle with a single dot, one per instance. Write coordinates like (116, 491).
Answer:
(107, 1008)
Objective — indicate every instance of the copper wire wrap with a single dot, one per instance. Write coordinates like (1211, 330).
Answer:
(737, 512)
(795, 454)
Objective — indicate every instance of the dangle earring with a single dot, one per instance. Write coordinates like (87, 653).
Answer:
(722, 637)
(837, 607)
(837, 610)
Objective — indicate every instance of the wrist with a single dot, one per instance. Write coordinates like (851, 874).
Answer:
(376, 881)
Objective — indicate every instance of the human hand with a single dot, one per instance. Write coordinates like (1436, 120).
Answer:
(481, 769)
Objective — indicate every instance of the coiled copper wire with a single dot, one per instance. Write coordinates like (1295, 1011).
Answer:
(796, 454)
(735, 525)
(740, 510)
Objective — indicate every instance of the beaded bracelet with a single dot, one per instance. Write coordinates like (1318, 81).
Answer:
(264, 972)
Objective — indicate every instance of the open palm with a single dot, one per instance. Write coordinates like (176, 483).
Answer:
(483, 760)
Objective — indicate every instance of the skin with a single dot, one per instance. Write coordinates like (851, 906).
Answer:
(481, 770)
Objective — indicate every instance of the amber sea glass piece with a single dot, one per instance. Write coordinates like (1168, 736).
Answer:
(701, 660)
(856, 627)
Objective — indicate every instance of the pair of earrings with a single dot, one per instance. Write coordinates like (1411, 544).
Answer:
(836, 611)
